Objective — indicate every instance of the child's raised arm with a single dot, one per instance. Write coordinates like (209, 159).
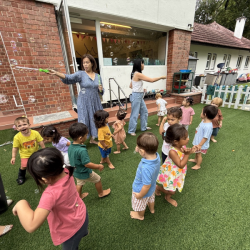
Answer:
(143, 191)
(14, 152)
(30, 220)
(176, 159)
(161, 128)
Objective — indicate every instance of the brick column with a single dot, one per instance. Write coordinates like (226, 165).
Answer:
(178, 52)
(31, 37)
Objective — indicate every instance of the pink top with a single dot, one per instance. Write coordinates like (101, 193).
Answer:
(67, 210)
(186, 115)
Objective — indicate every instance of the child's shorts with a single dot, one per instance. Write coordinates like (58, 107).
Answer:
(24, 162)
(105, 153)
(162, 112)
(203, 151)
(93, 178)
(215, 131)
(66, 158)
(141, 204)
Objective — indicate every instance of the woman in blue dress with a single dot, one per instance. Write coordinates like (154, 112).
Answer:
(88, 101)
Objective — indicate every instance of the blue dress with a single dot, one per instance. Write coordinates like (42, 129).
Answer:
(88, 101)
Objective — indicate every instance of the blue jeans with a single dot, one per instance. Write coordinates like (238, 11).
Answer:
(138, 107)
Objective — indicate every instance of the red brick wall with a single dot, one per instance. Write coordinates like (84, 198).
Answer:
(178, 52)
(196, 98)
(32, 27)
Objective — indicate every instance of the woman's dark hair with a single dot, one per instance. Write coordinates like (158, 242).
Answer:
(175, 132)
(77, 130)
(210, 111)
(175, 112)
(148, 142)
(51, 131)
(46, 163)
(92, 60)
(100, 117)
(190, 100)
(137, 66)
(121, 114)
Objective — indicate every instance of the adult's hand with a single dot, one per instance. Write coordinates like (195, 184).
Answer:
(100, 88)
(53, 72)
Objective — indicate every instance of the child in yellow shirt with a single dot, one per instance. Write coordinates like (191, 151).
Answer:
(104, 136)
(26, 141)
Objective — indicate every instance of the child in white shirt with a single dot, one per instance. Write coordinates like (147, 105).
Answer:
(161, 107)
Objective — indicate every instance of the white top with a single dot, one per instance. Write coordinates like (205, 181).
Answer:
(137, 86)
(165, 146)
(162, 102)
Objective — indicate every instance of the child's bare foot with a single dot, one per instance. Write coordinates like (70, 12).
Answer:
(83, 195)
(152, 210)
(125, 148)
(111, 166)
(117, 152)
(192, 160)
(213, 140)
(135, 215)
(170, 200)
(93, 141)
(103, 162)
(104, 193)
(196, 167)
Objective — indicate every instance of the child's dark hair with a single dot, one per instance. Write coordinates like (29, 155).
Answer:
(100, 117)
(77, 129)
(210, 111)
(46, 163)
(190, 100)
(176, 112)
(51, 131)
(148, 142)
(121, 114)
(137, 66)
(175, 132)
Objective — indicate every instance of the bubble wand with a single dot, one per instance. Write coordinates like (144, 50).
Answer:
(31, 69)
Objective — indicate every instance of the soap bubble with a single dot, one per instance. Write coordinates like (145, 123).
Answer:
(111, 53)
(12, 43)
(115, 60)
(13, 62)
(1, 63)
(45, 46)
(36, 191)
(128, 59)
(20, 35)
(3, 98)
(59, 108)
(5, 78)
(32, 40)
(61, 63)
(31, 99)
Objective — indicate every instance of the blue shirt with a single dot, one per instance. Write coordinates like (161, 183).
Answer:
(146, 174)
(204, 130)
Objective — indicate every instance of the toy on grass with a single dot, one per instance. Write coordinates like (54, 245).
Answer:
(32, 69)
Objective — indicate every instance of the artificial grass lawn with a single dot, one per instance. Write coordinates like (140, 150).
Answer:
(212, 210)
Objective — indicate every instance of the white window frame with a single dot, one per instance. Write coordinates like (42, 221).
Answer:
(247, 62)
(239, 62)
(213, 61)
(224, 60)
(228, 61)
(208, 62)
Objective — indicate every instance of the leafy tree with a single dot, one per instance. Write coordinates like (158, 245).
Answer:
(224, 12)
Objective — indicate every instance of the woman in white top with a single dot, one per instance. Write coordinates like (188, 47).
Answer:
(138, 105)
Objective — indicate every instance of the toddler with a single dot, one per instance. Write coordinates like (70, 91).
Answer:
(187, 112)
(161, 107)
(203, 134)
(104, 136)
(144, 184)
(27, 141)
(217, 121)
(79, 158)
(60, 203)
(173, 171)
(174, 116)
(50, 134)
(119, 134)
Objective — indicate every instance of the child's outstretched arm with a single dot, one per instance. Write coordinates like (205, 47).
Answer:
(14, 152)
(94, 166)
(176, 159)
(161, 128)
(41, 143)
(143, 191)
(30, 220)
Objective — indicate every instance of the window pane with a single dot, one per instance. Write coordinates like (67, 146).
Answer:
(239, 62)
(213, 61)
(121, 44)
(247, 62)
(228, 60)
(208, 61)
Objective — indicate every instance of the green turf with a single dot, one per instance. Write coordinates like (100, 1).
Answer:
(212, 210)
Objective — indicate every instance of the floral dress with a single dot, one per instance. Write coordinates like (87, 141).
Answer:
(121, 135)
(170, 176)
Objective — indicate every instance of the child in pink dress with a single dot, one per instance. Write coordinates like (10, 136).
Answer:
(60, 203)
(173, 171)
(119, 134)
(187, 112)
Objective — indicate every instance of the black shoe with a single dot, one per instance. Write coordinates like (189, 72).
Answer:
(20, 181)
(21, 176)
